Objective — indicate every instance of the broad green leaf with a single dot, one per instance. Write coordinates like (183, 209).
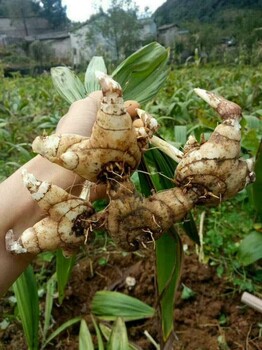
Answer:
(85, 339)
(25, 290)
(250, 249)
(169, 252)
(63, 272)
(145, 180)
(142, 74)
(164, 166)
(118, 338)
(97, 63)
(190, 228)
(253, 122)
(109, 305)
(50, 290)
(61, 329)
(250, 141)
(67, 84)
(257, 185)
(181, 134)
(169, 255)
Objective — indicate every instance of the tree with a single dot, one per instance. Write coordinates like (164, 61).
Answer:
(54, 12)
(20, 9)
(119, 27)
(3, 9)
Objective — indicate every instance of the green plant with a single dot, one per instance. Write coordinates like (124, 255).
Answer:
(185, 78)
(26, 293)
(117, 307)
(139, 62)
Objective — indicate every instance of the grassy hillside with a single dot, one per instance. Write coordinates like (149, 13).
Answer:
(203, 10)
(213, 23)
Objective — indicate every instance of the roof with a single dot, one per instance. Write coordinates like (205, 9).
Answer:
(168, 26)
(48, 36)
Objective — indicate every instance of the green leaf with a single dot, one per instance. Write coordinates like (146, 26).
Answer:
(190, 228)
(25, 290)
(169, 255)
(257, 185)
(97, 63)
(106, 331)
(63, 272)
(118, 337)
(67, 84)
(187, 293)
(253, 122)
(169, 251)
(61, 329)
(250, 141)
(98, 334)
(181, 134)
(85, 339)
(109, 305)
(250, 249)
(143, 73)
(50, 290)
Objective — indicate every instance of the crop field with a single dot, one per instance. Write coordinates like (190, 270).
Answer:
(215, 273)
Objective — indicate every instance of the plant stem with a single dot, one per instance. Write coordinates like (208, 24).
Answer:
(168, 149)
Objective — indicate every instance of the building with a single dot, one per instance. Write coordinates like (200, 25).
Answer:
(77, 46)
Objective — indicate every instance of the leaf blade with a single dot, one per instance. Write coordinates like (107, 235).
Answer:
(60, 329)
(85, 339)
(67, 84)
(63, 272)
(118, 338)
(250, 249)
(142, 74)
(169, 257)
(25, 289)
(108, 305)
(97, 63)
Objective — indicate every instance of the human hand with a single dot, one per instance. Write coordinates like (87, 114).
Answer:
(81, 116)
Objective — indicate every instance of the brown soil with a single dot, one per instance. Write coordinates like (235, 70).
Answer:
(213, 319)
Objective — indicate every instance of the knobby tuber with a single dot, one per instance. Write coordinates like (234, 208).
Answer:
(207, 173)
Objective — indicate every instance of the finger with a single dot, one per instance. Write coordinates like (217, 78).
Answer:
(81, 116)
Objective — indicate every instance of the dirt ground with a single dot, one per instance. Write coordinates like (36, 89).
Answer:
(213, 319)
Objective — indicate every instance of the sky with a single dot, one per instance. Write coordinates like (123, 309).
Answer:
(81, 10)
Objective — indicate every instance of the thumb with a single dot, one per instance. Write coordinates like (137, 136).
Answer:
(81, 116)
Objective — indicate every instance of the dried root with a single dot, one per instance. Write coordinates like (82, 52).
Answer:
(135, 222)
(61, 228)
(213, 169)
(206, 174)
(113, 141)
